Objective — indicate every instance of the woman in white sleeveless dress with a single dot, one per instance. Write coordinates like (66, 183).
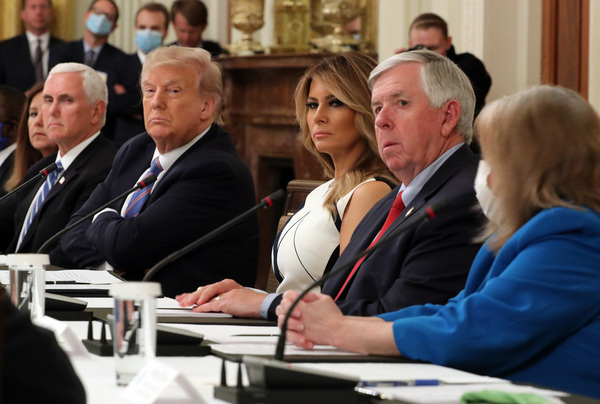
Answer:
(333, 108)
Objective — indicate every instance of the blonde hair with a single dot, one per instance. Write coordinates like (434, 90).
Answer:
(544, 147)
(345, 77)
(210, 78)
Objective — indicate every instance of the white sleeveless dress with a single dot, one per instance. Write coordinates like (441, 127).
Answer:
(309, 243)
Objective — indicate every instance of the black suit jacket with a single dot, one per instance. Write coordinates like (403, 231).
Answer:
(66, 196)
(16, 66)
(73, 52)
(210, 46)
(6, 169)
(125, 111)
(428, 264)
(207, 186)
(34, 368)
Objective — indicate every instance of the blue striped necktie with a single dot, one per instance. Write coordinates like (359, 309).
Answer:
(48, 184)
(141, 195)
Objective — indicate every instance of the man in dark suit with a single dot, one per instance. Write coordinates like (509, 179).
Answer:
(24, 58)
(93, 49)
(12, 102)
(124, 95)
(423, 136)
(190, 18)
(202, 183)
(34, 368)
(74, 106)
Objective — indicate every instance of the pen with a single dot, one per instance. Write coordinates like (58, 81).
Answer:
(61, 282)
(255, 335)
(397, 383)
(72, 283)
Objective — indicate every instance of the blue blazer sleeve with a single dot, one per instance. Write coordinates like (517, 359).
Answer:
(536, 305)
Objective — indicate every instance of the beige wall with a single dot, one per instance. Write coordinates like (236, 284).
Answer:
(504, 34)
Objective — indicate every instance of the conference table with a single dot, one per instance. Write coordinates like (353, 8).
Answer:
(193, 379)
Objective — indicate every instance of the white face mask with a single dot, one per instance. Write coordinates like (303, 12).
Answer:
(487, 200)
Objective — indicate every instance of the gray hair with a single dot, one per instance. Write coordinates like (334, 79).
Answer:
(209, 75)
(442, 81)
(94, 85)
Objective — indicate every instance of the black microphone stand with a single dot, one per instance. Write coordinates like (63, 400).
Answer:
(429, 213)
(266, 202)
(42, 174)
(149, 179)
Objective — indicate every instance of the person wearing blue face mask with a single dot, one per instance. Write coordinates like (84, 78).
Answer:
(124, 96)
(93, 49)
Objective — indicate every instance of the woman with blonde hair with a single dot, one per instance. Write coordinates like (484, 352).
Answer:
(530, 310)
(333, 108)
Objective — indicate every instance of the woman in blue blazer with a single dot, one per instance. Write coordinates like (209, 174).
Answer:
(530, 311)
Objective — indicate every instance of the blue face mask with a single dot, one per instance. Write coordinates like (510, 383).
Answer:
(98, 24)
(148, 39)
(3, 140)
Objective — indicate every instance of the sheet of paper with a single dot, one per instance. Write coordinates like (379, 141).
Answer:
(73, 275)
(187, 312)
(403, 371)
(268, 348)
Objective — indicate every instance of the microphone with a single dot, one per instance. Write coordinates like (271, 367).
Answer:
(143, 183)
(42, 174)
(428, 213)
(267, 202)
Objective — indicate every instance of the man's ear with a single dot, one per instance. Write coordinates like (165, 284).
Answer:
(208, 108)
(451, 112)
(448, 43)
(99, 109)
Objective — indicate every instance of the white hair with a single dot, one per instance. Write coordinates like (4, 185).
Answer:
(94, 85)
(442, 81)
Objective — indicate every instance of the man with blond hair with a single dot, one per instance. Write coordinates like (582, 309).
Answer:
(202, 183)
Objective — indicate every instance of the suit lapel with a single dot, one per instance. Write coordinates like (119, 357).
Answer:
(173, 169)
(446, 171)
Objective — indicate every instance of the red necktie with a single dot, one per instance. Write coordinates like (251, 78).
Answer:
(395, 211)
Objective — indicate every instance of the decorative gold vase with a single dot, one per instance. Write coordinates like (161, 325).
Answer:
(333, 15)
(248, 17)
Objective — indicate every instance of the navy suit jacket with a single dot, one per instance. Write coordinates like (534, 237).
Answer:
(210, 46)
(125, 111)
(207, 186)
(66, 196)
(73, 52)
(428, 264)
(16, 66)
(6, 169)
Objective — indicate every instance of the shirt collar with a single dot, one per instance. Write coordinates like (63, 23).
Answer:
(421, 179)
(141, 56)
(4, 153)
(169, 158)
(87, 48)
(72, 154)
(32, 39)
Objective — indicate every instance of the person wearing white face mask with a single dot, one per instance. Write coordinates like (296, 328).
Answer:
(487, 200)
(530, 309)
(125, 112)
(93, 49)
